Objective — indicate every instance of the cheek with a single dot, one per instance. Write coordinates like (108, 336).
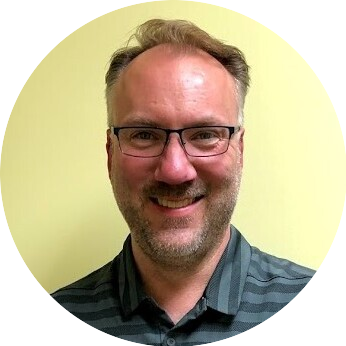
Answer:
(222, 175)
(130, 174)
(217, 169)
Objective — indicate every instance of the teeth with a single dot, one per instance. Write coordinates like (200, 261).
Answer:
(174, 204)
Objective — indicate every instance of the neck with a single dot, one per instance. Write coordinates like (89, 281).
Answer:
(177, 291)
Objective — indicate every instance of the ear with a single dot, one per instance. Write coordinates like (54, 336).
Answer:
(109, 149)
(241, 144)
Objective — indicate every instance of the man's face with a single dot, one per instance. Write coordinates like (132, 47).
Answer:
(178, 207)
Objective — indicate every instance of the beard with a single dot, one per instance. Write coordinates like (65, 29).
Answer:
(180, 244)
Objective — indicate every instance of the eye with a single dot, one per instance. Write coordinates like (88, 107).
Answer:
(205, 136)
(143, 135)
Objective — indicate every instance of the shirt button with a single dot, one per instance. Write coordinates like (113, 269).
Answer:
(170, 342)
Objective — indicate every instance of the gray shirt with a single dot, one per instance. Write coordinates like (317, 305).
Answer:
(247, 287)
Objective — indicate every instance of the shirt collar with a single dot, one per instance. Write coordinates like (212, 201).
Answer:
(131, 290)
(225, 288)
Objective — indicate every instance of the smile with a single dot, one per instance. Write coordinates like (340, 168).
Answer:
(174, 204)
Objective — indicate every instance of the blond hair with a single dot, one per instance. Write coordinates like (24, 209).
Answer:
(184, 35)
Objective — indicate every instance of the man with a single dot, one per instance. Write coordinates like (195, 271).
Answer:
(175, 156)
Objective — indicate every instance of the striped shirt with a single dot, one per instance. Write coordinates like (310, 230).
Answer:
(247, 287)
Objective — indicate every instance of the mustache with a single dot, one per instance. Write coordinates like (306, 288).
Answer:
(187, 190)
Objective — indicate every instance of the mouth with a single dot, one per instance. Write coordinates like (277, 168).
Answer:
(175, 204)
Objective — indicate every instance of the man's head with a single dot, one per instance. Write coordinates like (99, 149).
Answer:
(177, 192)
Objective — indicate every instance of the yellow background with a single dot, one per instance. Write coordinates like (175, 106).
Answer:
(57, 198)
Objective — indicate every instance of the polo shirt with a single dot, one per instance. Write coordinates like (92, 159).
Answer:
(247, 287)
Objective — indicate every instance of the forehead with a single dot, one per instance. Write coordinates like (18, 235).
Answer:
(165, 63)
(164, 81)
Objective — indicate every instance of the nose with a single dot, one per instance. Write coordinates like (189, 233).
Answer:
(174, 166)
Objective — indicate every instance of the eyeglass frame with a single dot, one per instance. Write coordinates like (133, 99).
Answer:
(231, 131)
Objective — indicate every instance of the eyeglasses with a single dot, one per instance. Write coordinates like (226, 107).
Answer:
(199, 141)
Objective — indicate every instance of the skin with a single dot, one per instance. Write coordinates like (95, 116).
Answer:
(176, 249)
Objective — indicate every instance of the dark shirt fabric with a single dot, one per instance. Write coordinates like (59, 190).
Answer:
(247, 287)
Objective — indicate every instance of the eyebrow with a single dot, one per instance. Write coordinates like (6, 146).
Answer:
(138, 120)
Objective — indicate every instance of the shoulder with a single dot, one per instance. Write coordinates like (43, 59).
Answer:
(265, 267)
(260, 266)
(270, 284)
(87, 288)
(275, 279)
(94, 298)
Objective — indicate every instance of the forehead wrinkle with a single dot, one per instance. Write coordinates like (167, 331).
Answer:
(142, 120)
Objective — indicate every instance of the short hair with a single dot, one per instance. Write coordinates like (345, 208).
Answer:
(183, 34)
